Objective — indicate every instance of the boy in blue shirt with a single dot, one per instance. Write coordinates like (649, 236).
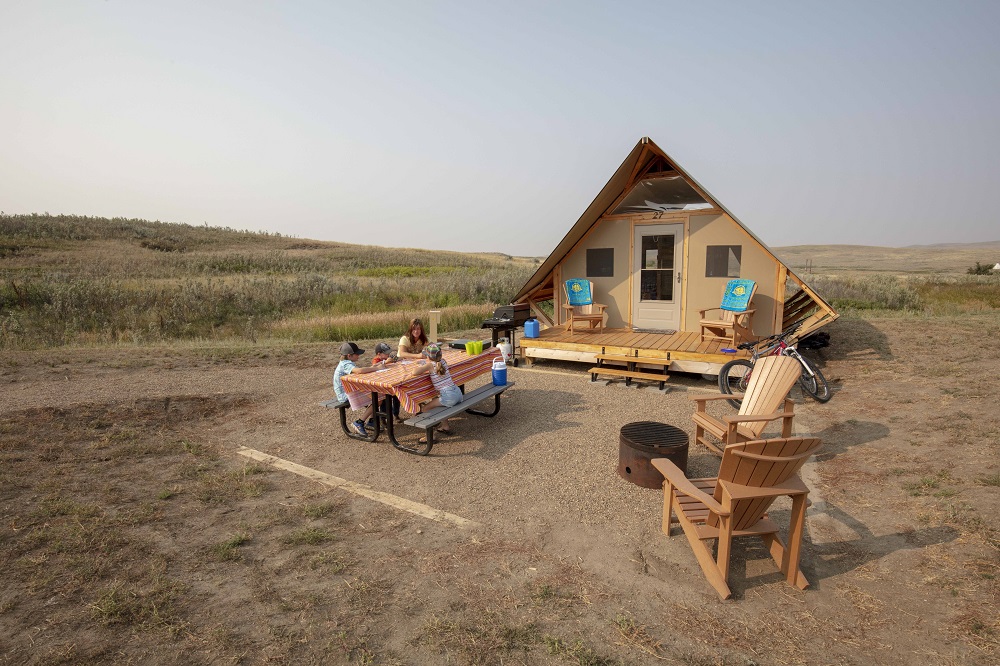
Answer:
(350, 354)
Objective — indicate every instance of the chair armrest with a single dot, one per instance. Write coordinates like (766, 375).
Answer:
(791, 486)
(568, 306)
(702, 312)
(675, 477)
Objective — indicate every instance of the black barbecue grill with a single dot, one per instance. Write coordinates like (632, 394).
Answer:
(506, 319)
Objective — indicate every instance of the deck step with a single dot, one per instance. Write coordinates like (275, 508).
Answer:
(649, 360)
(627, 374)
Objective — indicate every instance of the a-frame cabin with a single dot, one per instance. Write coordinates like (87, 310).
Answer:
(658, 248)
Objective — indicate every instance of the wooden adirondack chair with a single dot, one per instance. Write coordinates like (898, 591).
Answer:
(771, 379)
(735, 503)
(580, 305)
(732, 320)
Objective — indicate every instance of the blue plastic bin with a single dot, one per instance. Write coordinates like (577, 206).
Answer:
(531, 328)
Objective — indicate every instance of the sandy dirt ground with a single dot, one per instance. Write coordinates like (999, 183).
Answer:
(135, 532)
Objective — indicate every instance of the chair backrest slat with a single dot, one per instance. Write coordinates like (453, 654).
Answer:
(772, 379)
(761, 463)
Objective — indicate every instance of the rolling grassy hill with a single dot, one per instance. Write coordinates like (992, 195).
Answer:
(950, 258)
(71, 279)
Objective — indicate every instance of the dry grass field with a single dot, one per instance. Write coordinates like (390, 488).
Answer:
(69, 280)
(133, 530)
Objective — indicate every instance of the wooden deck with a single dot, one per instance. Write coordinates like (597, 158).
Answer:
(685, 350)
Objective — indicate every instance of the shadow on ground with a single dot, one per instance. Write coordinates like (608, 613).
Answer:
(839, 437)
(830, 559)
(822, 561)
(853, 339)
(499, 436)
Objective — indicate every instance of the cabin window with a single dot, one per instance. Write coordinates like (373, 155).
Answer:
(723, 261)
(601, 262)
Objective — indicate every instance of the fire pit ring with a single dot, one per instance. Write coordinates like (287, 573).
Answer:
(642, 441)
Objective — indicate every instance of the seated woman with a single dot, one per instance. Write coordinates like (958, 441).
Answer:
(411, 344)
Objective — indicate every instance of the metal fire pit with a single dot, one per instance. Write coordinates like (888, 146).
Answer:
(641, 442)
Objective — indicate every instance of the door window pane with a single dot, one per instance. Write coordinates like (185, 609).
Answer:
(658, 251)
(657, 285)
(657, 271)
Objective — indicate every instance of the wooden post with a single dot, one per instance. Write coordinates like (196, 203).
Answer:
(435, 320)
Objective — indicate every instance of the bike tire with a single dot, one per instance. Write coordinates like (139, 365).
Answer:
(732, 380)
(807, 380)
(816, 385)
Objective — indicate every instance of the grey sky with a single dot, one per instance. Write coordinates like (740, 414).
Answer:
(491, 126)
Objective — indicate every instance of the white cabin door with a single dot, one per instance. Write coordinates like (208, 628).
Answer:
(656, 277)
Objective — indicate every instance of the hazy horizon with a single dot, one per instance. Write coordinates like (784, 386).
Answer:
(483, 128)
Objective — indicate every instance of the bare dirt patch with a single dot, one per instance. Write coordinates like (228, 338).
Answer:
(132, 532)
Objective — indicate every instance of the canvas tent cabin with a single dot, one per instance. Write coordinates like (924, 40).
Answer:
(658, 248)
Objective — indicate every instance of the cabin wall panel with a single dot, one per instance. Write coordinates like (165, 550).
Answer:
(612, 291)
(756, 264)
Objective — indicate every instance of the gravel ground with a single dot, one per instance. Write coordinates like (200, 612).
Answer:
(898, 522)
(547, 461)
(549, 458)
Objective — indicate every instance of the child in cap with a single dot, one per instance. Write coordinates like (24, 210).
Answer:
(350, 354)
(385, 354)
(449, 394)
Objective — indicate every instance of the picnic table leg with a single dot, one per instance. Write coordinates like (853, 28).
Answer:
(496, 408)
(416, 448)
(350, 433)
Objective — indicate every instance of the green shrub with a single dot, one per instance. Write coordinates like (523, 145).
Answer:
(870, 292)
(967, 294)
(981, 269)
(937, 295)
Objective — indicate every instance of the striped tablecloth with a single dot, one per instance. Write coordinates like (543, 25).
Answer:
(395, 379)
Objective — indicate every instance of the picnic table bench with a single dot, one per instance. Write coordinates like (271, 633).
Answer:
(430, 419)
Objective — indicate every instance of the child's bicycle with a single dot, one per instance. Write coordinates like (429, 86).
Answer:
(735, 375)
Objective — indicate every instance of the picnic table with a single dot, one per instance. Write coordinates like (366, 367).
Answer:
(395, 380)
